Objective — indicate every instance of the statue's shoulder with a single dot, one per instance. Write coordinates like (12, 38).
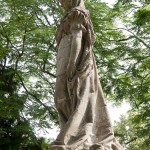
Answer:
(79, 11)
(78, 14)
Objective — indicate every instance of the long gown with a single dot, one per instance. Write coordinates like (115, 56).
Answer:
(83, 116)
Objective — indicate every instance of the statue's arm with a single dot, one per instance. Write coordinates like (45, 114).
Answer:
(78, 30)
(75, 50)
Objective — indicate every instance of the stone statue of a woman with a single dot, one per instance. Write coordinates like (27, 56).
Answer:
(84, 120)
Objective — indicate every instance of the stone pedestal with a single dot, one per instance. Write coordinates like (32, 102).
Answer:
(62, 147)
(59, 147)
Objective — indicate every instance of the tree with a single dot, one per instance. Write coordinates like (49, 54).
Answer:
(27, 60)
(25, 31)
(137, 75)
(129, 134)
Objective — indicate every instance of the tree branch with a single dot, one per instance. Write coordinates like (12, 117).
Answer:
(133, 36)
(39, 101)
(44, 15)
(131, 140)
(121, 40)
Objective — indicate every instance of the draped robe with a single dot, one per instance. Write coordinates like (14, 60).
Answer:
(83, 116)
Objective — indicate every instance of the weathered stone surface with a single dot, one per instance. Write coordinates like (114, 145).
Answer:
(83, 115)
(59, 147)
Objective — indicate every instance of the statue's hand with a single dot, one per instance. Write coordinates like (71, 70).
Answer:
(71, 69)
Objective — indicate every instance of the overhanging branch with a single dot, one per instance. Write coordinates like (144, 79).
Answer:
(37, 99)
(133, 35)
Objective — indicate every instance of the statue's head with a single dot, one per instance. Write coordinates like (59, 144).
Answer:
(69, 4)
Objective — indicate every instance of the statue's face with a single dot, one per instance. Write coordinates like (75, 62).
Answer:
(66, 4)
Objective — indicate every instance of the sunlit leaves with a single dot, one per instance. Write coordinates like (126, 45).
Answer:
(27, 62)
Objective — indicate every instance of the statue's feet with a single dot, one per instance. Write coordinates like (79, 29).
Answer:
(111, 146)
(97, 147)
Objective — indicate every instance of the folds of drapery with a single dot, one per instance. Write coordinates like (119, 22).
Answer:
(83, 114)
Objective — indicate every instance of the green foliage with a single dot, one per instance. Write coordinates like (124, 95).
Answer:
(136, 78)
(142, 16)
(132, 135)
(27, 66)
(26, 59)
